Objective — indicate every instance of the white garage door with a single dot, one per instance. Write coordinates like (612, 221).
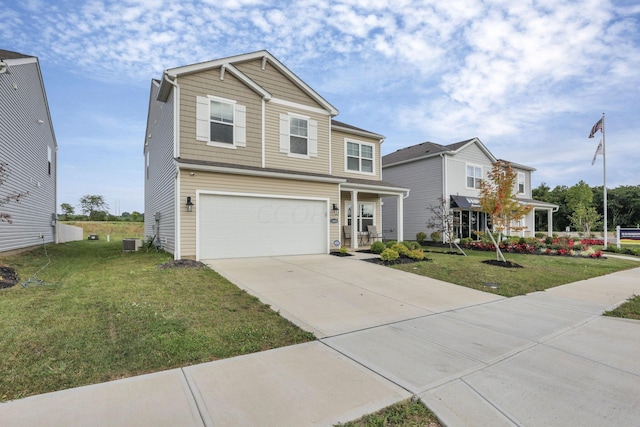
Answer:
(249, 226)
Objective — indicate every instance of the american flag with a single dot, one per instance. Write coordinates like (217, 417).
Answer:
(599, 151)
(597, 127)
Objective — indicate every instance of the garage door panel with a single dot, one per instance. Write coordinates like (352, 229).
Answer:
(242, 226)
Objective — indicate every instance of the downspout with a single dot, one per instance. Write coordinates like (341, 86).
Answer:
(176, 154)
(444, 184)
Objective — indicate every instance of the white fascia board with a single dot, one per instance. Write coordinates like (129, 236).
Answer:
(20, 61)
(358, 132)
(379, 189)
(260, 173)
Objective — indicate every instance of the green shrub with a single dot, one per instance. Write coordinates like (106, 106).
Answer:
(548, 240)
(414, 246)
(465, 240)
(540, 235)
(377, 247)
(389, 255)
(436, 236)
(406, 244)
(343, 250)
(417, 254)
(522, 241)
(421, 236)
(400, 249)
(391, 243)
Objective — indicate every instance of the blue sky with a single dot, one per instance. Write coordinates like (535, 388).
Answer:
(529, 78)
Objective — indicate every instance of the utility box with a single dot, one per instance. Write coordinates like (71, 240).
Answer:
(92, 237)
(131, 244)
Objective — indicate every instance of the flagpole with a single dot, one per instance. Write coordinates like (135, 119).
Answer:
(604, 179)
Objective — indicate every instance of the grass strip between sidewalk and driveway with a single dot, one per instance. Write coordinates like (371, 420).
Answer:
(102, 314)
(538, 272)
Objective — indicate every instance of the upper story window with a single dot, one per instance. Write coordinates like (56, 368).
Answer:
(521, 183)
(359, 157)
(221, 122)
(49, 158)
(474, 176)
(298, 136)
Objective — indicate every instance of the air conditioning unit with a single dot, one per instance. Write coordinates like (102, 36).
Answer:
(131, 245)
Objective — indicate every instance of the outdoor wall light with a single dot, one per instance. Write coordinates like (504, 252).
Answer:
(335, 208)
(189, 204)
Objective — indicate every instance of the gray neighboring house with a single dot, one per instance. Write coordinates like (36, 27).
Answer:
(28, 147)
(453, 172)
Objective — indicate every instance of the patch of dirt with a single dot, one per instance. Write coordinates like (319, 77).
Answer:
(8, 277)
(182, 263)
(507, 264)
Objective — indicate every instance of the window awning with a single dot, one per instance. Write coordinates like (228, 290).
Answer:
(464, 202)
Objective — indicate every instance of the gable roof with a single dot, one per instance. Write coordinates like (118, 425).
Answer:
(227, 65)
(337, 125)
(7, 54)
(431, 149)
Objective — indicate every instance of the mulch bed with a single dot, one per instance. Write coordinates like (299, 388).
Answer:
(507, 264)
(8, 277)
(340, 254)
(401, 260)
(182, 263)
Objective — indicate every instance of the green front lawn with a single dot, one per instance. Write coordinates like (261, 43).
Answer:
(628, 310)
(539, 272)
(102, 314)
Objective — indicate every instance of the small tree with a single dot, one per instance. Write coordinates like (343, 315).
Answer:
(442, 219)
(498, 201)
(94, 206)
(11, 197)
(585, 218)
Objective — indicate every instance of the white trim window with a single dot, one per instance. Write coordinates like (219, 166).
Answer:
(474, 176)
(221, 122)
(359, 157)
(298, 136)
(366, 215)
(521, 183)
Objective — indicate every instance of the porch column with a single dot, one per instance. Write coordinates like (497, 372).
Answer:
(399, 217)
(354, 219)
(549, 222)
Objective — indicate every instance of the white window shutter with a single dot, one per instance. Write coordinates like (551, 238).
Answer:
(240, 126)
(313, 138)
(202, 118)
(284, 133)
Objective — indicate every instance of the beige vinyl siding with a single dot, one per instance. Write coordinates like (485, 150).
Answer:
(229, 183)
(208, 83)
(424, 178)
(278, 160)
(159, 193)
(338, 159)
(24, 144)
(276, 83)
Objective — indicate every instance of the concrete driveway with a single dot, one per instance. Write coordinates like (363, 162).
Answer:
(328, 295)
(547, 358)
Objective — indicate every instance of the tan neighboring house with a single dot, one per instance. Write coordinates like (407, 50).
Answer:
(244, 159)
(452, 172)
(28, 148)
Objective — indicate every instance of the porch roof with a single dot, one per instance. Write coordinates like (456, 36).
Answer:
(465, 202)
(372, 186)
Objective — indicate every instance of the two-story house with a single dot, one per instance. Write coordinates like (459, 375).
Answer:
(28, 151)
(452, 173)
(243, 158)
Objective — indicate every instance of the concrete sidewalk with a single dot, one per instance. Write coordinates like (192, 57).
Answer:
(547, 358)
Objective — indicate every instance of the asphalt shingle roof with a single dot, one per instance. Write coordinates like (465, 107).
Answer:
(420, 150)
(7, 54)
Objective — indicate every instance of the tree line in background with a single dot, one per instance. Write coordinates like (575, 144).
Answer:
(94, 208)
(581, 207)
